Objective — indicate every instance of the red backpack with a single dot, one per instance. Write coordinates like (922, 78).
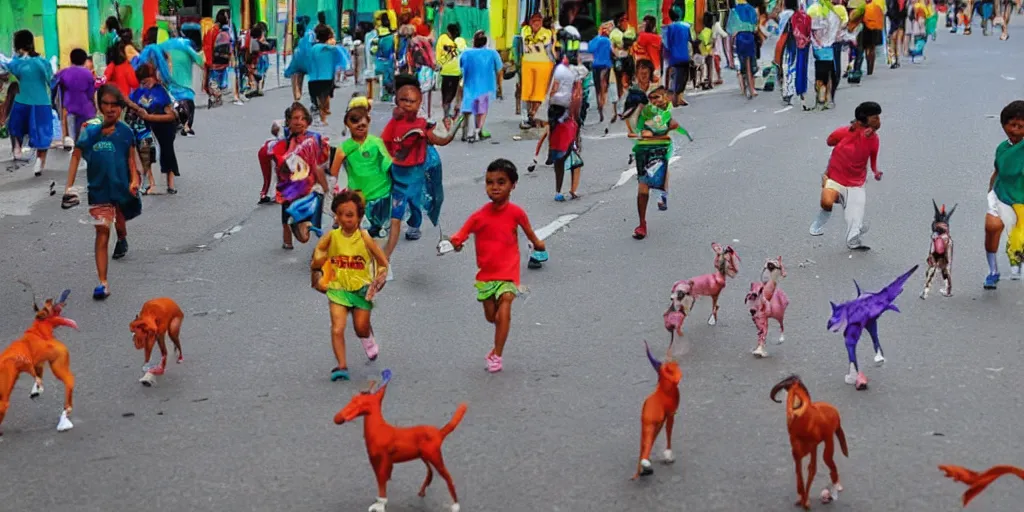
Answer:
(800, 27)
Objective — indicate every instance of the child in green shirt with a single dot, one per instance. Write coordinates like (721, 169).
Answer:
(367, 168)
(653, 150)
(1006, 196)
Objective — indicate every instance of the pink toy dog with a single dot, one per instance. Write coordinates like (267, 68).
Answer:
(766, 300)
(726, 265)
(681, 301)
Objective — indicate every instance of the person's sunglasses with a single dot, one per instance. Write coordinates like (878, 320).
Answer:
(354, 119)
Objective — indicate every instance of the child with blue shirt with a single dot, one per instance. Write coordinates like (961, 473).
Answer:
(153, 117)
(601, 48)
(108, 149)
(481, 67)
(30, 115)
(325, 60)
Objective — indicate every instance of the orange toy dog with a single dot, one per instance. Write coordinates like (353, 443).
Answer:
(158, 318)
(810, 424)
(659, 409)
(388, 445)
(37, 346)
(979, 481)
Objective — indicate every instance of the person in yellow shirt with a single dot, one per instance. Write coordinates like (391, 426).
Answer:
(623, 38)
(538, 63)
(449, 46)
(342, 268)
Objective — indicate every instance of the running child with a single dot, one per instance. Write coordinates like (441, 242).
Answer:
(154, 107)
(1005, 191)
(416, 168)
(109, 152)
(495, 228)
(343, 268)
(30, 115)
(368, 170)
(852, 147)
(300, 162)
(653, 151)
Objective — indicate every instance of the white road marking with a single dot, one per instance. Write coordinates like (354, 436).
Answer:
(616, 135)
(746, 133)
(1004, 77)
(629, 173)
(784, 109)
(559, 223)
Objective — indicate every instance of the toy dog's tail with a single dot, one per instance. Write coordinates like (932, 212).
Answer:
(842, 440)
(460, 412)
(978, 481)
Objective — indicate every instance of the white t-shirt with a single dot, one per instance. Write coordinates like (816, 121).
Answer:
(565, 78)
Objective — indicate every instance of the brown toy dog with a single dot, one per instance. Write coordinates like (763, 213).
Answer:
(36, 347)
(159, 318)
(388, 445)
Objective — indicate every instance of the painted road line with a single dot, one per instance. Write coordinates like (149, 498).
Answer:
(559, 223)
(784, 109)
(746, 133)
(629, 173)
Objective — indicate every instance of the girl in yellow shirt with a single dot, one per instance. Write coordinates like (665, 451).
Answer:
(342, 268)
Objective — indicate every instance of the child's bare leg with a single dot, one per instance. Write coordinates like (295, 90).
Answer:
(325, 108)
(643, 194)
(828, 199)
(339, 317)
(396, 229)
(147, 169)
(993, 232)
(502, 322)
(102, 245)
(297, 86)
(120, 225)
(559, 175)
(575, 181)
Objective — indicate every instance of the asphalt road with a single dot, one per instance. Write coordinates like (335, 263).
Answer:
(245, 422)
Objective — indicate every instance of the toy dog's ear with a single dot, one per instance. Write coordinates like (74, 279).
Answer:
(650, 357)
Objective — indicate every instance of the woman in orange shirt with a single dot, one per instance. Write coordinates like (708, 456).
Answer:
(648, 45)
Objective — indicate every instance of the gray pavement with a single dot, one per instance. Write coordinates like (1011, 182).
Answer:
(245, 422)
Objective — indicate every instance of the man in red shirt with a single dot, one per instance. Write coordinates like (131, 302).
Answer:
(495, 227)
(853, 147)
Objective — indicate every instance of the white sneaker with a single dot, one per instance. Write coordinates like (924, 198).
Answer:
(37, 167)
(879, 359)
(391, 275)
(1015, 273)
(850, 378)
(759, 351)
(237, 102)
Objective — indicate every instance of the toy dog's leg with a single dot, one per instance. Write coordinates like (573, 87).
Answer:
(782, 331)
(855, 377)
(426, 481)
(61, 368)
(437, 460)
(928, 275)
(648, 433)
(668, 457)
(37, 386)
(382, 470)
(797, 461)
(174, 331)
(812, 468)
(947, 276)
(713, 319)
(762, 332)
(851, 351)
(831, 494)
(872, 327)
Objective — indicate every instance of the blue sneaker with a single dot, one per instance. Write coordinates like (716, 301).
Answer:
(560, 198)
(100, 292)
(339, 374)
(990, 281)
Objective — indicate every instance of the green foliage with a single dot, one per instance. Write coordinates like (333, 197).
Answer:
(169, 7)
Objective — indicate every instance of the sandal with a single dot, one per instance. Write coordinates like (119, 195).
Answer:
(145, 191)
(172, 191)
(339, 374)
(287, 247)
(574, 196)
(100, 292)
(1004, 36)
(264, 200)
(640, 232)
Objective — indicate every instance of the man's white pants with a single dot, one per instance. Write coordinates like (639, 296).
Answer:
(854, 199)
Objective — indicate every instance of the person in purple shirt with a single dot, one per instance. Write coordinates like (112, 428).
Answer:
(601, 48)
(77, 87)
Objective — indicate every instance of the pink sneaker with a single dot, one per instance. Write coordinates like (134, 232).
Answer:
(493, 362)
(156, 370)
(370, 346)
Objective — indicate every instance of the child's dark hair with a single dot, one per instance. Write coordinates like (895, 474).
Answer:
(113, 24)
(301, 108)
(479, 39)
(404, 80)
(323, 33)
(1012, 112)
(454, 30)
(150, 35)
(646, 64)
(110, 90)
(321, 17)
(650, 22)
(126, 35)
(223, 17)
(506, 166)
(347, 195)
(144, 71)
(24, 40)
(79, 57)
(709, 18)
(866, 110)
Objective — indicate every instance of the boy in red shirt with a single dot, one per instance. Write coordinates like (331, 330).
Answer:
(497, 252)
(844, 181)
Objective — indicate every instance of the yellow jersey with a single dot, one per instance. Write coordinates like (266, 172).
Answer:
(349, 261)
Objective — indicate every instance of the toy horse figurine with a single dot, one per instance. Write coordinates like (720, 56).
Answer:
(940, 254)
(766, 300)
(862, 313)
(726, 265)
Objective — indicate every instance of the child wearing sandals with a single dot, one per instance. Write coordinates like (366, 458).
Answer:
(495, 229)
(368, 170)
(109, 151)
(155, 119)
(653, 151)
(342, 268)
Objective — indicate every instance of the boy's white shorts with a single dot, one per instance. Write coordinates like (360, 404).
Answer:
(997, 208)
